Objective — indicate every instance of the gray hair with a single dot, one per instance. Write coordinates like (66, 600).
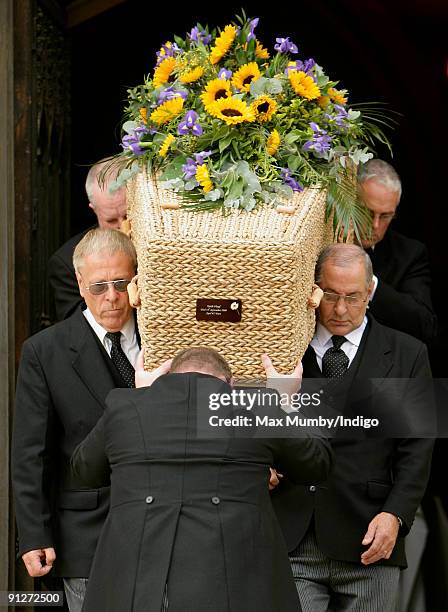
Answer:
(343, 255)
(100, 174)
(109, 241)
(382, 172)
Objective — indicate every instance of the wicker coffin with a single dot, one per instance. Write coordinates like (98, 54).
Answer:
(264, 258)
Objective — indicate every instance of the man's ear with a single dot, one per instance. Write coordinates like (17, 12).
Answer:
(370, 289)
(80, 285)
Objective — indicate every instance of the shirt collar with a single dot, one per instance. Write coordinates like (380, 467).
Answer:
(323, 336)
(128, 329)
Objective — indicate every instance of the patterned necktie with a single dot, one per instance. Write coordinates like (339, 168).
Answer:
(335, 361)
(120, 360)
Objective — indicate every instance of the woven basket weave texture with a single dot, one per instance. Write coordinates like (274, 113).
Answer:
(264, 258)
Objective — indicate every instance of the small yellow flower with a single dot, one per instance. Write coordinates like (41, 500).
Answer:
(303, 84)
(164, 71)
(192, 75)
(231, 110)
(223, 43)
(261, 52)
(337, 96)
(273, 142)
(203, 178)
(166, 145)
(264, 107)
(143, 114)
(323, 101)
(214, 90)
(244, 76)
(167, 111)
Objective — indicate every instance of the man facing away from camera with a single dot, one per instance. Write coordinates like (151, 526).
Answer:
(191, 520)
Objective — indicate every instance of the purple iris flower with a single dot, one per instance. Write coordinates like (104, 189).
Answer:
(252, 25)
(132, 141)
(305, 66)
(189, 168)
(197, 36)
(320, 142)
(284, 45)
(190, 124)
(170, 51)
(289, 180)
(340, 118)
(169, 93)
(224, 74)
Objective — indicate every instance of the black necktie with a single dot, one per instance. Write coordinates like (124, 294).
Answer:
(335, 361)
(120, 360)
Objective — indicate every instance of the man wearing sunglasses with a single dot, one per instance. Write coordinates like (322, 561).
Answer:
(65, 374)
(346, 535)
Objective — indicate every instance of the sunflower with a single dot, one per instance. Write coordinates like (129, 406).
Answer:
(203, 178)
(166, 145)
(167, 111)
(336, 96)
(261, 52)
(143, 112)
(264, 107)
(192, 75)
(273, 142)
(215, 90)
(244, 76)
(223, 42)
(303, 84)
(323, 101)
(164, 71)
(231, 110)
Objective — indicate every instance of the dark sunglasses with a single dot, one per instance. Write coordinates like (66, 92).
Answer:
(99, 288)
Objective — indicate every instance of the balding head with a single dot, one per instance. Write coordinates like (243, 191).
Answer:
(203, 360)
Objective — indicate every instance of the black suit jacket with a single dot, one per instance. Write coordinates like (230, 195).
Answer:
(369, 475)
(191, 512)
(63, 380)
(62, 277)
(402, 299)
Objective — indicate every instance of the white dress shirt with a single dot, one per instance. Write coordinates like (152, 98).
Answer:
(321, 342)
(129, 342)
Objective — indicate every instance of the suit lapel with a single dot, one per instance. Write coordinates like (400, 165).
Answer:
(377, 358)
(88, 361)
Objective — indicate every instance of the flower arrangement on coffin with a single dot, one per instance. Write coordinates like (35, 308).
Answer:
(229, 124)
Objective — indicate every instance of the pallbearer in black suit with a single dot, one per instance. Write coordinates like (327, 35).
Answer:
(191, 520)
(346, 536)
(110, 211)
(401, 296)
(65, 374)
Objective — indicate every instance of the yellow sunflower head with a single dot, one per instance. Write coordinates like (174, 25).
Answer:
(261, 52)
(223, 42)
(303, 84)
(337, 96)
(244, 76)
(264, 107)
(164, 71)
(203, 178)
(166, 145)
(192, 75)
(273, 142)
(167, 111)
(215, 90)
(231, 110)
